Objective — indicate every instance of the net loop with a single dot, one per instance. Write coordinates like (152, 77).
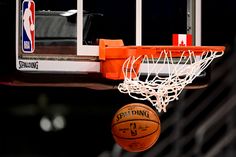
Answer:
(161, 78)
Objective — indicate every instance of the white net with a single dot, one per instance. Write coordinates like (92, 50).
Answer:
(160, 80)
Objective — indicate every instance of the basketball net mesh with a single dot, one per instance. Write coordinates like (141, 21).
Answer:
(164, 77)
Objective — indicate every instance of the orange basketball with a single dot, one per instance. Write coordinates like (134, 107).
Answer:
(136, 127)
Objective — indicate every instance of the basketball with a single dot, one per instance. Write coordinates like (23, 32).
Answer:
(136, 127)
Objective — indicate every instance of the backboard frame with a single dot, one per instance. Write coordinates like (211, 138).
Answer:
(87, 55)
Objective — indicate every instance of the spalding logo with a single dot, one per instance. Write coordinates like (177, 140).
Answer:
(131, 113)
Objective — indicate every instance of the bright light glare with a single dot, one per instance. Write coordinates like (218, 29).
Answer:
(59, 122)
(45, 124)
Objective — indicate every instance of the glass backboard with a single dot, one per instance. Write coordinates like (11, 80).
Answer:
(61, 37)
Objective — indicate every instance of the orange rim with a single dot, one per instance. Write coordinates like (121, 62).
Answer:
(115, 49)
(176, 51)
(113, 54)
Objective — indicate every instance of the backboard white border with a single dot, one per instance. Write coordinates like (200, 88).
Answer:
(198, 22)
(87, 50)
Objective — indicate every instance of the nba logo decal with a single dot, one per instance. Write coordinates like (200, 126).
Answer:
(28, 26)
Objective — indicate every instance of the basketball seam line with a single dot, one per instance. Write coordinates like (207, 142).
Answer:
(149, 146)
(136, 120)
(137, 137)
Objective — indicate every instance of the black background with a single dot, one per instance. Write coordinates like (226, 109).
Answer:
(89, 115)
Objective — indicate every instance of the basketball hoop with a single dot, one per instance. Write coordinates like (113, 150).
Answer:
(156, 73)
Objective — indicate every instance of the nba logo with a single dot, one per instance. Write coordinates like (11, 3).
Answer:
(28, 26)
